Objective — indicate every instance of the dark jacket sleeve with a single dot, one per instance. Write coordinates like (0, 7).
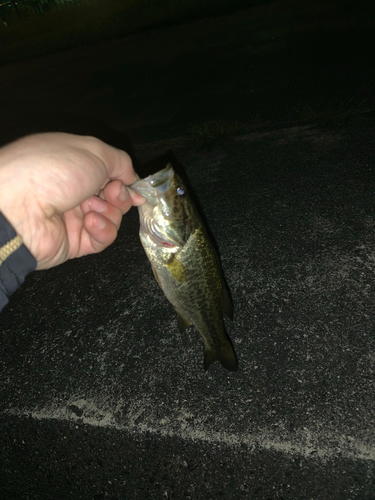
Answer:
(16, 262)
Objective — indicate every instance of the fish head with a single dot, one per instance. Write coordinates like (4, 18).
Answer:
(167, 217)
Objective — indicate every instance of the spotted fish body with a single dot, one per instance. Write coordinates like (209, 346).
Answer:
(185, 263)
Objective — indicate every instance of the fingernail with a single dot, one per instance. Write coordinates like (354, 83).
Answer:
(124, 194)
(99, 222)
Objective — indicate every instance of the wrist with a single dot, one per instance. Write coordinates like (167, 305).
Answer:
(16, 262)
(14, 206)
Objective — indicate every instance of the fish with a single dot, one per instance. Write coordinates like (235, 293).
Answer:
(185, 263)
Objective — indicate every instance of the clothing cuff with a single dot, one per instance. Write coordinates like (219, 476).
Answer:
(16, 262)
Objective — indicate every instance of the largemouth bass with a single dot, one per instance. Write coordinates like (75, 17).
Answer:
(185, 263)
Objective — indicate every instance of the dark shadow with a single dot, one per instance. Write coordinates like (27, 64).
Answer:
(68, 123)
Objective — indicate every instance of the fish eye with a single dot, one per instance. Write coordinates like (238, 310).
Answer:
(180, 191)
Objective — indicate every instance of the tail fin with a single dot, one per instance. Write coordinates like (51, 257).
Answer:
(225, 355)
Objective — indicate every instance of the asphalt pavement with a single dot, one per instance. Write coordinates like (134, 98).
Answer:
(101, 397)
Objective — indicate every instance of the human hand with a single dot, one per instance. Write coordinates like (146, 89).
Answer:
(64, 194)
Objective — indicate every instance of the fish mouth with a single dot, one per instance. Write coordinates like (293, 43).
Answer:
(154, 185)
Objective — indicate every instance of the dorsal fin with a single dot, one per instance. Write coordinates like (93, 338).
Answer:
(227, 301)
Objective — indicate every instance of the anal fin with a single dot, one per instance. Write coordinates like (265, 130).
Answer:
(182, 322)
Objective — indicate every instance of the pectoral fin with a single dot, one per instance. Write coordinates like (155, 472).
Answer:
(177, 270)
(155, 274)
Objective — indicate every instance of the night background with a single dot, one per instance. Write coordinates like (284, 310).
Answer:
(268, 109)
